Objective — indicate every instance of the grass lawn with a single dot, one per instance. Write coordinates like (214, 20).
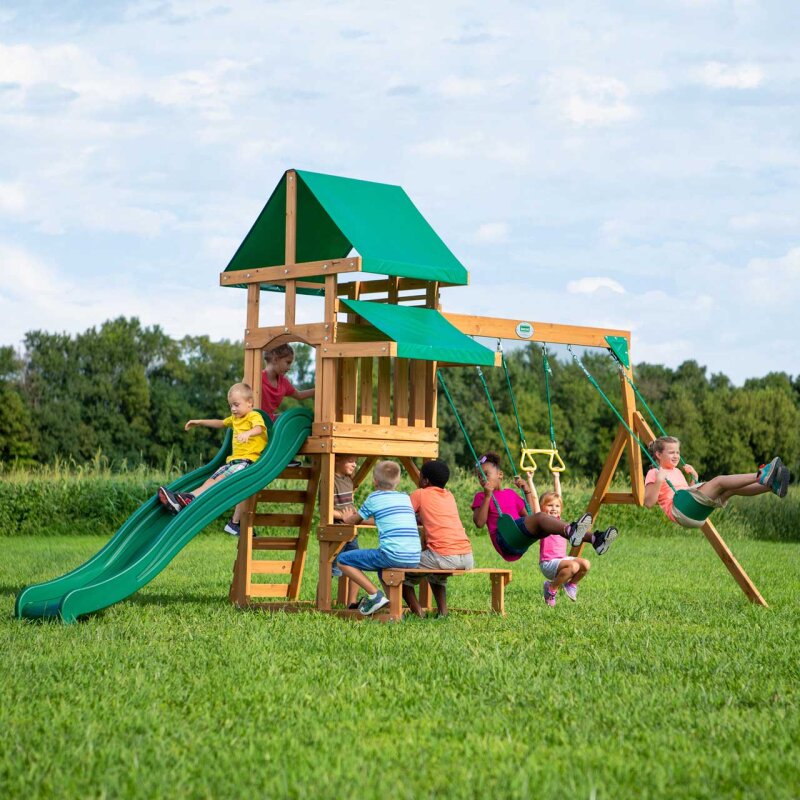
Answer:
(662, 681)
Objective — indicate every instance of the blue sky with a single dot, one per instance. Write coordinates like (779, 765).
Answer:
(632, 165)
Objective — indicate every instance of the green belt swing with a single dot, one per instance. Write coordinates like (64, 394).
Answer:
(683, 500)
(511, 540)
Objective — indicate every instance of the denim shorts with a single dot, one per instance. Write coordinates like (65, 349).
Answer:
(231, 467)
(550, 568)
(374, 561)
(348, 546)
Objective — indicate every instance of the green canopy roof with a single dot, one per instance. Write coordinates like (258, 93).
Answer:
(335, 215)
(422, 333)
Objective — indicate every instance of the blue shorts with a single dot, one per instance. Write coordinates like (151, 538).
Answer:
(374, 561)
(351, 545)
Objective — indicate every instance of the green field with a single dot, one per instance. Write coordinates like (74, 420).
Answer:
(662, 681)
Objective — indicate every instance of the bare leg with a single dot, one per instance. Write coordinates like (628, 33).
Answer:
(352, 593)
(410, 596)
(237, 512)
(583, 567)
(440, 595)
(359, 578)
(541, 525)
(566, 570)
(725, 486)
(207, 485)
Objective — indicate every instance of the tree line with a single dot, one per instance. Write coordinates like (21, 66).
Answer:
(126, 390)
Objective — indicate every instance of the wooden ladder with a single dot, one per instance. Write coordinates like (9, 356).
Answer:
(243, 590)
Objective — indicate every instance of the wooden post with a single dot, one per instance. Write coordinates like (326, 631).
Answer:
(290, 247)
(326, 470)
(634, 453)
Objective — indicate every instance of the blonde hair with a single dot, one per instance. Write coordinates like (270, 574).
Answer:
(281, 351)
(386, 475)
(242, 389)
(657, 446)
(548, 496)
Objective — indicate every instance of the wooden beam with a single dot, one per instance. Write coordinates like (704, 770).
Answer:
(363, 471)
(733, 566)
(371, 447)
(357, 431)
(282, 272)
(498, 328)
(365, 390)
(358, 349)
(263, 338)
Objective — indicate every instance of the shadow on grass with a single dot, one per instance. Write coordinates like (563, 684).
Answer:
(152, 599)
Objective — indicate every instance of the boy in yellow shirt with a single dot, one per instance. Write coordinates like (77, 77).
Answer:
(249, 441)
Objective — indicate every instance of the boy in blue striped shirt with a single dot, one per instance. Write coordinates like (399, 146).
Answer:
(398, 537)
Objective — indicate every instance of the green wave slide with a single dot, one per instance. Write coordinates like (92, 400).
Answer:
(151, 537)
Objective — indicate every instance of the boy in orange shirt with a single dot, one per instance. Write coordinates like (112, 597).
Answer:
(446, 542)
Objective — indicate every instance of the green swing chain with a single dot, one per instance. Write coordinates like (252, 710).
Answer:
(522, 443)
(641, 399)
(500, 429)
(464, 431)
(547, 373)
(618, 415)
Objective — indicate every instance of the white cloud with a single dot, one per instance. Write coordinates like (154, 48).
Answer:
(463, 87)
(719, 75)
(773, 283)
(593, 285)
(12, 198)
(586, 99)
(492, 232)
(473, 146)
(758, 221)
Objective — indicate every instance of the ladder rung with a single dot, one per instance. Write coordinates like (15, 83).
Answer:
(270, 567)
(278, 520)
(275, 542)
(269, 590)
(282, 496)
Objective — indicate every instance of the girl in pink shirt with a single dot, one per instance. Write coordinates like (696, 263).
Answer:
(562, 571)
(666, 450)
(274, 383)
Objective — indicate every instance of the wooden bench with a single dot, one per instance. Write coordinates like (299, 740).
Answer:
(393, 578)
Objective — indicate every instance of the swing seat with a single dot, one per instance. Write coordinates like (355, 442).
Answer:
(511, 537)
(693, 510)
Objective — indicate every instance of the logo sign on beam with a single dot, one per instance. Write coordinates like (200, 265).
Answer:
(524, 330)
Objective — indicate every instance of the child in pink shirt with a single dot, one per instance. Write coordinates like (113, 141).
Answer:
(560, 570)
(274, 383)
(666, 450)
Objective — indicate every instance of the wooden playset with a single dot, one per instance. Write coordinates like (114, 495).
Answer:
(378, 269)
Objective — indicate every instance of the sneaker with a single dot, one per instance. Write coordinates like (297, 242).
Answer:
(369, 605)
(168, 500)
(232, 528)
(767, 473)
(294, 463)
(549, 597)
(353, 606)
(602, 540)
(577, 530)
(184, 498)
(571, 591)
(780, 486)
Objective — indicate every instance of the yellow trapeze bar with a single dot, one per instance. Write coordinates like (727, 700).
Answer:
(527, 463)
